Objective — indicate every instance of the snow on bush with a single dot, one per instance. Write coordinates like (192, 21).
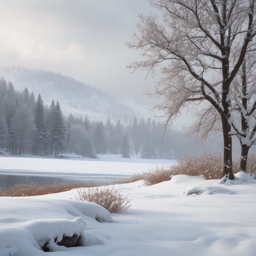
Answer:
(110, 198)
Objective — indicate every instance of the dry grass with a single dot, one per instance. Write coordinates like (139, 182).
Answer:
(109, 198)
(135, 177)
(251, 165)
(35, 189)
(209, 165)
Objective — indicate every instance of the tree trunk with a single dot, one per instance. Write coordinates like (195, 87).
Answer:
(244, 157)
(227, 161)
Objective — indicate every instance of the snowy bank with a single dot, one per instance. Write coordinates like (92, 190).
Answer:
(164, 219)
(27, 224)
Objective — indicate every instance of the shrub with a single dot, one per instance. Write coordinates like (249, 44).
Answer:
(109, 198)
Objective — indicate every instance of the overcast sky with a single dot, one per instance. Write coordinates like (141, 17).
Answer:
(83, 39)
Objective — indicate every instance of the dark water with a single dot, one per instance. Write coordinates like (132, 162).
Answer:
(9, 179)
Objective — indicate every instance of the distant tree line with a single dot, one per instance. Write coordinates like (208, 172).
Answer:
(27, 126)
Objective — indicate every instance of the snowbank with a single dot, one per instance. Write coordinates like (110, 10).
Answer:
(27, 224)
(183, 216)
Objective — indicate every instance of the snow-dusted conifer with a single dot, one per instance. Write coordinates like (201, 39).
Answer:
(125, 147)
(3, 134)
(32, 102)
(39, 141)
(59, 132)
(49, 121)
(88, 149)
(148, 150)
(23, 126)
(100, 139)
(25, 96)
(135, 135)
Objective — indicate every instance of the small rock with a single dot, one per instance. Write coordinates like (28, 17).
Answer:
(66, 241)
(69, 241)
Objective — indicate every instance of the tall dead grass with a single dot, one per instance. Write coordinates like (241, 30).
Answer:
(209, 165)
(251, 165)
(35, 189)
(110, 198)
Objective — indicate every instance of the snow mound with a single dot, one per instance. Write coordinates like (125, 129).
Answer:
(186, 179)
(244, 177)
(207, 190)
(240, 178)
(27, 224)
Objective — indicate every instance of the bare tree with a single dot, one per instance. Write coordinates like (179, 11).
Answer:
(244, 106)
(243, 112)
(199, 47)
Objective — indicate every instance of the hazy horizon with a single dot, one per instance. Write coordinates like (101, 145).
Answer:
(81, 39)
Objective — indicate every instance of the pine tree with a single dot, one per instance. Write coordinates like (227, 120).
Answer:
(49, 120)
(32, 102)
(100, 139)
(148, 150)
(135, 135)
(23, 128)
(87, 124)
(40, 132)
(11, 139)
(3, 134)
(88, 149)
(59, 132)
(11, 92)
(3, 89)
(25, 95)
(125, 147)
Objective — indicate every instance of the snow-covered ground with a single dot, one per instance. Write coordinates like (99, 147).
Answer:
(184, 216)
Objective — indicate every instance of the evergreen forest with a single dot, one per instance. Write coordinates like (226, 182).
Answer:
(29, 127)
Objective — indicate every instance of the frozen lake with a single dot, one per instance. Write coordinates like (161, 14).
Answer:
(10, 178)
(18, 170)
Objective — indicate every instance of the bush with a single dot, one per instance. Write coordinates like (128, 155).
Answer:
(109, 198)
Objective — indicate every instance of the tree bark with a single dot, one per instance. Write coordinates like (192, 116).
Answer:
(227, 167)
(244, 157)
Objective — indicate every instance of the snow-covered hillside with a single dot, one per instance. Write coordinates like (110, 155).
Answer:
(74, 97)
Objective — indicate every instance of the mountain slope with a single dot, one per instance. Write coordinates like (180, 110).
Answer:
(74, 97)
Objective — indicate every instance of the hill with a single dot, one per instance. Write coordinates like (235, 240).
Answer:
(74, 96)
